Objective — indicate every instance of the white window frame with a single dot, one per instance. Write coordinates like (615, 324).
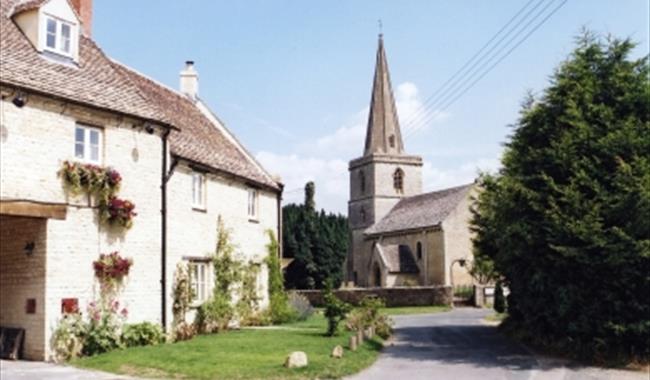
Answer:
(58, 38)
(253, 203)
(198, 200)
(86, 144)
(200, 280)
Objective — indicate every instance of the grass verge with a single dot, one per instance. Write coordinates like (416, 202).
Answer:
(243, 354)
(414, 310)
(249, 353)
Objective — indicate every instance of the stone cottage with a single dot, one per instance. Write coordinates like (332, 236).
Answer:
(399, 235)
(63, 99)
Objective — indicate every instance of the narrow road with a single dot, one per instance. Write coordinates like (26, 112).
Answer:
(458, 345)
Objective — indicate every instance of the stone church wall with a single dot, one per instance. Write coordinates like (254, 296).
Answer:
(394, 297)
(458, 240)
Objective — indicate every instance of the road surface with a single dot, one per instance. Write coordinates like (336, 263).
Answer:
(459, 345)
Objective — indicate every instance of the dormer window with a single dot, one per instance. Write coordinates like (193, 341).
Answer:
(59, 36)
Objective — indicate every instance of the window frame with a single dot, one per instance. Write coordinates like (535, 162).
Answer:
(201, 205)
(253, 211)
(87, 144)
(202, 288)
(59, 41)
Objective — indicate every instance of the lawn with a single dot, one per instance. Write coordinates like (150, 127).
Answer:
(242, 354)
(250, 353)
(415, 310)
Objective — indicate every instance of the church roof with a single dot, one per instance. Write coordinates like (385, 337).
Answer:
(420, 211)
(398, 258)
(383, 134)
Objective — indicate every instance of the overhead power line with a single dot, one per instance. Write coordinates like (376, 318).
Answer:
(477, 72)
(433, 96)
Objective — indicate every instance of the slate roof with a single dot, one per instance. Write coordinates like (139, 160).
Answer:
(399, 258)
(98, 81)
(420, 211)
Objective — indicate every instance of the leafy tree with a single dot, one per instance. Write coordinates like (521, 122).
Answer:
(317, 241)
(335, 309)
(566, 221)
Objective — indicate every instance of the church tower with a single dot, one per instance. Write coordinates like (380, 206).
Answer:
(382, 176)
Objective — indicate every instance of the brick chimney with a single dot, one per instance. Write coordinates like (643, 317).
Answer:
(84, 9)
(190, 81)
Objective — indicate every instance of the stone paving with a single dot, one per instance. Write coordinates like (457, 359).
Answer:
(26, 370)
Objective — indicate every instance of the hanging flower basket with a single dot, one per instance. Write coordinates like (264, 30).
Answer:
(103, 185)
(118, 212)
(94, 180)
(112, 267)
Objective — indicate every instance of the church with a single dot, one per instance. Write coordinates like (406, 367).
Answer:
(399, 235)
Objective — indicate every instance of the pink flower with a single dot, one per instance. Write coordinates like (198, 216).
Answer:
(124, 313)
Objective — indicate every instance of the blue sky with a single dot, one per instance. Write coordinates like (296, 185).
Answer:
(292, 78)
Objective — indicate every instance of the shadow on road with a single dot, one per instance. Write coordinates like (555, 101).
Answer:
(478, 346)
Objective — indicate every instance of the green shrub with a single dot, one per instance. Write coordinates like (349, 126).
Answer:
(215, 314)
(367, 315)
(335, 310)
(279, 310)
(101, 337)
(499, 299)
(142, 334)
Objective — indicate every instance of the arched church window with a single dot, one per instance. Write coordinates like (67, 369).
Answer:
(398, 180)
(363, 214)
(418, 249)
(391, 141)
(362, 181)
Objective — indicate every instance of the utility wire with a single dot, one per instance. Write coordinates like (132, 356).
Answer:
(448, 103)
(433, 96)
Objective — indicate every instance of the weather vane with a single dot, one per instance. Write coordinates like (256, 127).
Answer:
(381, 33)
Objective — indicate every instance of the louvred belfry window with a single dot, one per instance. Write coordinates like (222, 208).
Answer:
(398, 180)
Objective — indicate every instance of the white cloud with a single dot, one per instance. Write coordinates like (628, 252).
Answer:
(325, 160)
(348, 140)
(329, 175)
(435, 178)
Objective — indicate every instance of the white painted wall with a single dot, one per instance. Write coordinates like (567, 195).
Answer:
(192, 232)
(36, 140)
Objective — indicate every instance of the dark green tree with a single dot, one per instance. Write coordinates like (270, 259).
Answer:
(567, 219)
(317, 241)
(499, 299)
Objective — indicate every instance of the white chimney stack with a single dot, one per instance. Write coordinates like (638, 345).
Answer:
(190, 81)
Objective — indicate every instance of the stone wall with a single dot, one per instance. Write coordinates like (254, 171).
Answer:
(400, 296)
(458, 241)
(192, 232)
(22, 277)
(35, 141)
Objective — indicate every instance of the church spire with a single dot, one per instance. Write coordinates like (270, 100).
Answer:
(383, 134)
